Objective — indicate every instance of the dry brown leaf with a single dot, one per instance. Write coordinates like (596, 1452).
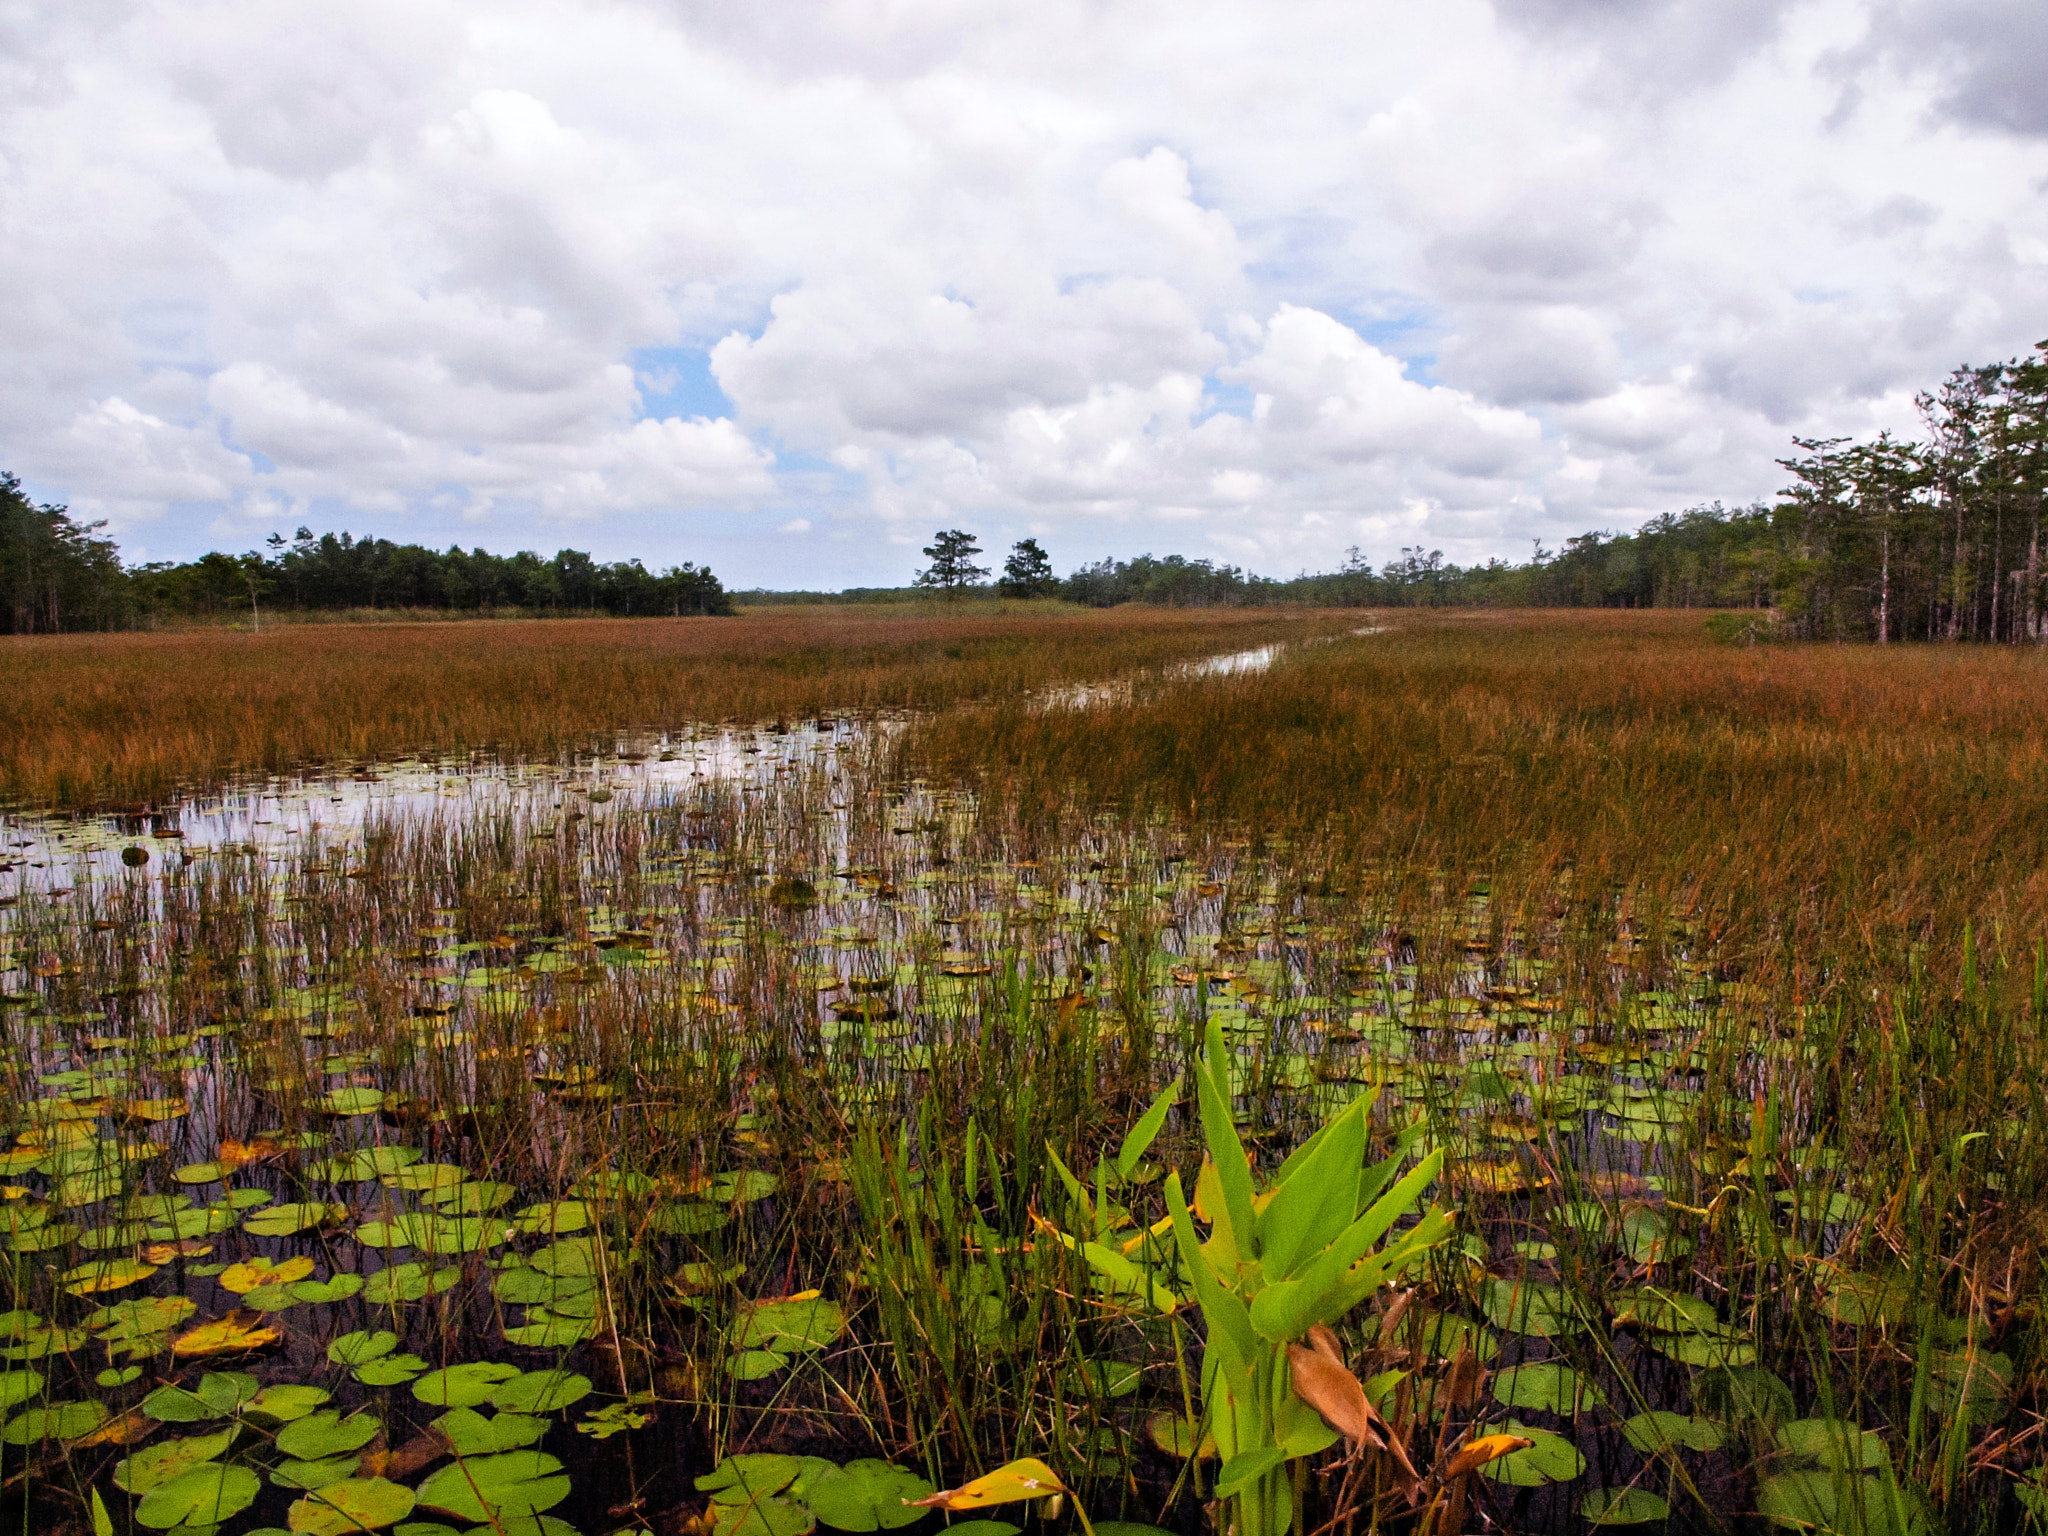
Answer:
(1333, 1392)
(1463, 1382)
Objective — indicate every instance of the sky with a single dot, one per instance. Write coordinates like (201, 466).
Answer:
(787, 286)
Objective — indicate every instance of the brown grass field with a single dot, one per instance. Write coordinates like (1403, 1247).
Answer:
(1820, 805)
(111, 719)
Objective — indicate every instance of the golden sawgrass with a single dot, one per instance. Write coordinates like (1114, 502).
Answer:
(97, 719)
(1813, 802)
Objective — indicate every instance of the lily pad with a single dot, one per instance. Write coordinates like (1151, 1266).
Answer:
(391, 1371)
(1834, 1443)
(17, 1387)
(349, 1102)
(738, 1479)
(161, 1464)
(327, 1433)
(1548, 1386)
(867, 1495)
(484, 1487)
(1814, 1501)
(797, 1324)
(360, 1348)
(463, 1386)
(409, 1282)
(1623, 1506)
(1552, 1459)
(470, 1433)
(763, 1517)
(1660, 1430)
(285, 1403)
(308, 1475)
(239, 1332)
(540, 1392)
(207, 1495)
(359, 1504)
(289, 1220)
(54, 1421)
(105, 1275)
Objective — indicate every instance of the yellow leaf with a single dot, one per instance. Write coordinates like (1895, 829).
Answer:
(122, 1429)
(1479, 1453)
(163, 1253)
(1028, 1478)
(244, 1278)
(237, 1333)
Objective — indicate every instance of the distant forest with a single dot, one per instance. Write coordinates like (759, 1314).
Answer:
(1881, 540)
(57, 574)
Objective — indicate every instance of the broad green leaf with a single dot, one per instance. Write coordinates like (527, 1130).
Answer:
(540, 1392)
(1551, 1459)
(509, 1484)
(327, 1433)
(208, 1495)
(463, 1386)
(160, 1464)
(866, 1495)
(358, 1504)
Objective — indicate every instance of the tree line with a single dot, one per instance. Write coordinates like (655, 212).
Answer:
(1937, 538)
(1891, 539)
(57, 574)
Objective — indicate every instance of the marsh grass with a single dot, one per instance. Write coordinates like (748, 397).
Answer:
(104, 719)
(1719, 1149)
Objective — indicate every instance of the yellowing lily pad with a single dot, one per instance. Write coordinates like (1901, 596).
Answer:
(237, 1333)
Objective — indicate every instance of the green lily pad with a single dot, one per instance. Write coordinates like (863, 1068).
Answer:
(308, 1475)
(554, 1218)
(1833, 1443)
(391, 1371)
(17, 1387)
(327, 1433)
(54, 1421)
(866, 1495)
(1547, 1386)
(207, 1495)
(1623, 1506)
(350, 1102)
(738, 1479)
(790, 1326)
(755, 1364)
(1660, 1430)
(509, 1484)
(763, 1517)
(160, 1464)
(288, 1220)
(408, 1282)
(359, 1504)
(1552, 1459)
(1531, 1307)
(284, 1403)
(463, 1386)
(1813, 1501)
(360, 1348)
(540, 1392)
(470, 1433)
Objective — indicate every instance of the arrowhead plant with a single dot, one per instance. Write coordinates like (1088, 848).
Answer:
(1301, 1253)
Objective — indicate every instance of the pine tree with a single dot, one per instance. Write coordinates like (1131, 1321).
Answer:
(952, 567)
(1028, 572)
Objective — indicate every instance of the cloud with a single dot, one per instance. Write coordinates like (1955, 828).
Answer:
(1248, 281)
(1986, 60)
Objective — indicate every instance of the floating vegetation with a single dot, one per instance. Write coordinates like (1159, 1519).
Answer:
(763, 1150)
